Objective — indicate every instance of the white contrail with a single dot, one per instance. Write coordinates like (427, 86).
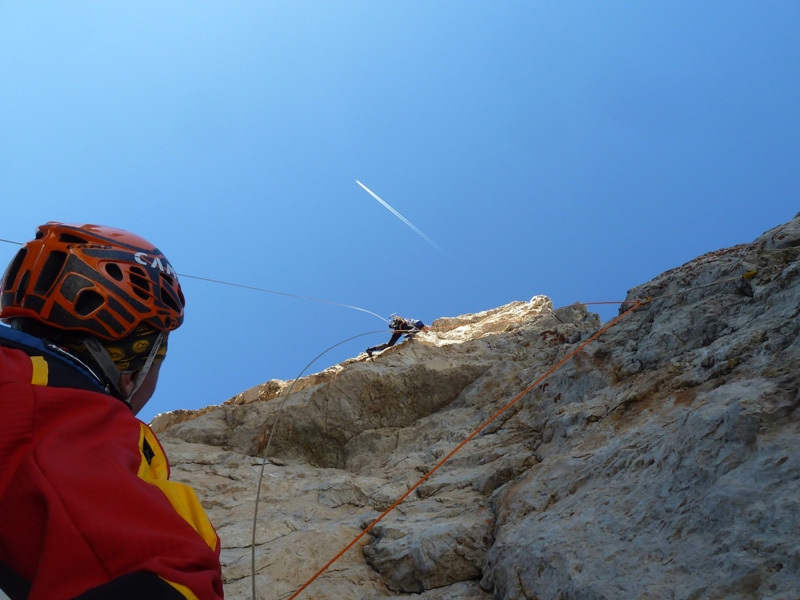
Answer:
(401, 217)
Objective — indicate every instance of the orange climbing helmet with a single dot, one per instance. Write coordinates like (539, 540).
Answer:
(93, 279)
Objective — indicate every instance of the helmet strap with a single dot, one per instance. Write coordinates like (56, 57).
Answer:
(110, 370)
(140, 377)
(107, 366)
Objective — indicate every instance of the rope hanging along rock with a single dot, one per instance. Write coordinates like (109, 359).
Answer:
(626, 309)
(464, 442)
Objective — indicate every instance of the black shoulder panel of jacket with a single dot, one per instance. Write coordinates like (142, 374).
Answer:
(64, 370)
(134, 586)
(15, 586)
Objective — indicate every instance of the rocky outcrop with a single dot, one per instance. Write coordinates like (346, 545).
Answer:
(661, 461)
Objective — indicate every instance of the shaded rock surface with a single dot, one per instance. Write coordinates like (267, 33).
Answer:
(661, 461)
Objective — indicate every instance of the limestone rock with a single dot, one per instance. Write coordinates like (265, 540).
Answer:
(661, 461)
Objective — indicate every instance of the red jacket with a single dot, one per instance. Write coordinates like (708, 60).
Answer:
(86, 508)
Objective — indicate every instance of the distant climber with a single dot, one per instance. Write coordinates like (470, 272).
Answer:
(399, 327)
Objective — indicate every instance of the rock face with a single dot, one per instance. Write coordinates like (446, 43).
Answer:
(661, 461)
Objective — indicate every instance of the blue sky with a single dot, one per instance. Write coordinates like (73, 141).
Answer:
(571, 149)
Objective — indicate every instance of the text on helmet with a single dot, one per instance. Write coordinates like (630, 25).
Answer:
(155, 262)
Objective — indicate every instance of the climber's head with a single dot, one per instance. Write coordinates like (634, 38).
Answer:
(99, 291)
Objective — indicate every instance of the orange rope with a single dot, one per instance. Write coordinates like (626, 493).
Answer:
(516, 398)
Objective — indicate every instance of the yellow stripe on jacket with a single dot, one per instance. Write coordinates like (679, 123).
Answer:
(181, 496)
(41, 372)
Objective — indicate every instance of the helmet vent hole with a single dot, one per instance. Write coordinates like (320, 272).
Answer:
(169, 300)
(13, 269)
(22, 288)
(68, 238)
(87, 302)
(114, 271)
(50, 271)
(141, 286)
